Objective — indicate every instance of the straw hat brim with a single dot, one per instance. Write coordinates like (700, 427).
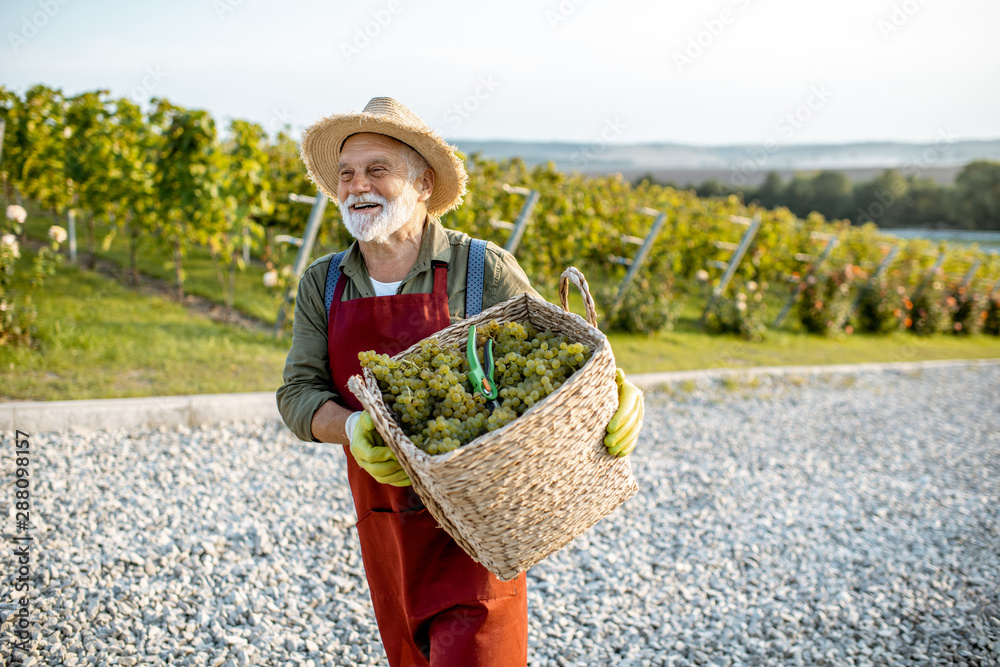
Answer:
(323, 140)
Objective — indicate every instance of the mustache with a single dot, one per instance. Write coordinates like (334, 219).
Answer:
(365, 198)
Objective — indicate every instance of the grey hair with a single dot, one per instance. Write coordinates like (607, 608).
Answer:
(415, 162)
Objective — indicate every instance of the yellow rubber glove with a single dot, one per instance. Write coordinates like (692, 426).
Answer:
(624, 427)
(372, 454)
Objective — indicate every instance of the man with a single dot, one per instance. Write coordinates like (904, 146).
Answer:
(405, 278)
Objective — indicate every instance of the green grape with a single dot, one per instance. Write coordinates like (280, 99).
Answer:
(429, 393)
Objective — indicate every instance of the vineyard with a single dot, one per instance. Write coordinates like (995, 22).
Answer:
(162, 190)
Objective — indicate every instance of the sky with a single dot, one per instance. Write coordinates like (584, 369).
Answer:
(708, 73)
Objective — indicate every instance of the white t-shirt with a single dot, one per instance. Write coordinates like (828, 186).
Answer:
(385, 289)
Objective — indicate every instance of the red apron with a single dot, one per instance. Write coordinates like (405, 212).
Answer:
(434, 604)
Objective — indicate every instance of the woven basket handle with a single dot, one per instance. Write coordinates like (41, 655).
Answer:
(576, 276)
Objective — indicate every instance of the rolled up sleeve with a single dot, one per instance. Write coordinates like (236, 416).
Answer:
(306, 376)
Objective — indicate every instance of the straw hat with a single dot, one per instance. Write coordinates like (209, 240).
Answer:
(323, 140)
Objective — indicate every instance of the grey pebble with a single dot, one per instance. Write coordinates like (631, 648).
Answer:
(841, 519)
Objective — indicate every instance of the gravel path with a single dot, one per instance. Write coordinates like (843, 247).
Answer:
(832, 520)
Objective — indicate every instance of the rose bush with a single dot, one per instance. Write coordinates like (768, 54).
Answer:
(926, 312)
(880, 306)
(991, 323)
(826, 299)
(968, 309)
(17, 314)
(742, 313)
(649, 304)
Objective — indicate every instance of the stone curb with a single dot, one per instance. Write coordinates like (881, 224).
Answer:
(198, 409)
(153, 412)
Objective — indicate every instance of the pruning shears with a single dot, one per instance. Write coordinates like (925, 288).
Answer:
(482, 382)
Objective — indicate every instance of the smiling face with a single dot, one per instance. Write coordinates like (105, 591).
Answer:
(375, 192)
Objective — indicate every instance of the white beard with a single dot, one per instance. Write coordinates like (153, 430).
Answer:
(371, 228)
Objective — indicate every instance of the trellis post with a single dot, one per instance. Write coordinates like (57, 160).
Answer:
(71, 233)
(883, 265)
(831, 243)
(517, 228)
(640, 257)
(930, 272)
(734, 261)
(970, 274)
(305, 245)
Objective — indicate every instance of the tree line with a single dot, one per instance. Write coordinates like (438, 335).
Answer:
(890, 200)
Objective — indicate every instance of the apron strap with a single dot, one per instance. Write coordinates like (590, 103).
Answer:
(332, 276)
(440, 278)
(474, 278)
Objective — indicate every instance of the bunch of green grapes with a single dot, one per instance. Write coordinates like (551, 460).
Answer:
(432, 400)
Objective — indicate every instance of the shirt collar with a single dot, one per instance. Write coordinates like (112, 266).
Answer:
(434, 246)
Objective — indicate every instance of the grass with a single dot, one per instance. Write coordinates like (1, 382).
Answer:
(156, 261)
(684, 350)
(98, 339)
(687, 347)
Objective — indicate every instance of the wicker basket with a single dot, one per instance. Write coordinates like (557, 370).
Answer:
(513, 496)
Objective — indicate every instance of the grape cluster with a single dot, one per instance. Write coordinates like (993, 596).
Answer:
(432, 400)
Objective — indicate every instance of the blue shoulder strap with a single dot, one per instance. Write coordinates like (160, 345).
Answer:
(332, 276)
(474, 278)
(473, 284)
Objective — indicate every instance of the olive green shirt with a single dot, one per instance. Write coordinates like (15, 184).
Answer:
(307, 380)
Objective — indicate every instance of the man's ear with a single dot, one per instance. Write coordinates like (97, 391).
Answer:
(425, 184)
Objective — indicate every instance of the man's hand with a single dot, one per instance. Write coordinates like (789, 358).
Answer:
(624, 427)
(372, 454)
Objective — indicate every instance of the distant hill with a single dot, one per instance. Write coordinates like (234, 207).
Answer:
(747, 163)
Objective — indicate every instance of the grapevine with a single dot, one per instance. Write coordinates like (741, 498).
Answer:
(165, 175)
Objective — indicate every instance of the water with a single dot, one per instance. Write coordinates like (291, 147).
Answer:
(985, 239)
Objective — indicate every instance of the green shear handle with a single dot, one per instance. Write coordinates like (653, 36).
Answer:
(482, 382)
